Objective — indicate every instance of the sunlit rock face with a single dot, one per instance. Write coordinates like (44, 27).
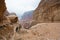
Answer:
(47, 11)
(2, 9)
(13, 18)
(9, 27)
(41, 31)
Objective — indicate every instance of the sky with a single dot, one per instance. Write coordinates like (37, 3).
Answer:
(21, 6)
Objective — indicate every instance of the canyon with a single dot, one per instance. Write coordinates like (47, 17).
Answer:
(44, 24)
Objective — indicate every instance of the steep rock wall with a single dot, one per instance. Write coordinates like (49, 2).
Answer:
(47, 11)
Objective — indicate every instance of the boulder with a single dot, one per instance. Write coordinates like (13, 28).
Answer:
(13, 18)
(15, 22)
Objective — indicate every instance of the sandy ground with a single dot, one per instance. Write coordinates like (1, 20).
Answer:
(41, 31)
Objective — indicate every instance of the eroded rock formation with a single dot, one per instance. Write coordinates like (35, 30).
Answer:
(47, 11)
(6, 30)
(8, 23)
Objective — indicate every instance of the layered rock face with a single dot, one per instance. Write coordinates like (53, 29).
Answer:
(47, 11)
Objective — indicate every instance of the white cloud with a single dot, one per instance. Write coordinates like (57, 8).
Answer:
(20, 6)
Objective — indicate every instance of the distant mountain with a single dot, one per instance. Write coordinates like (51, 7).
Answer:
(27, 15)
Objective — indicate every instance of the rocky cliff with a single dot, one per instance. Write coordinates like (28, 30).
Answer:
(8, 23)
(2, 9)
(47, 11)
